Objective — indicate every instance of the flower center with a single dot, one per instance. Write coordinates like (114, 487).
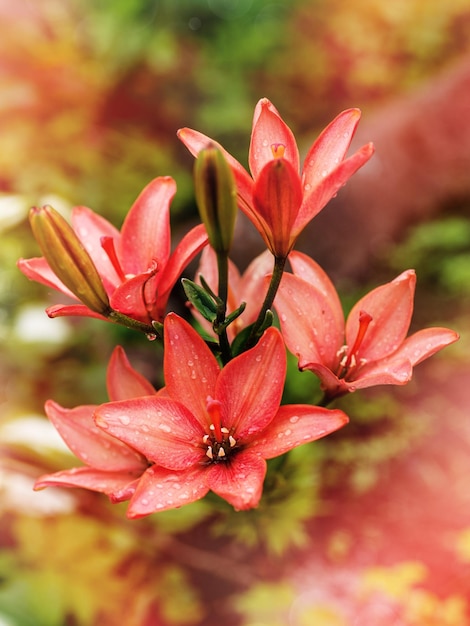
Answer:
(349, 359)
(219, 441)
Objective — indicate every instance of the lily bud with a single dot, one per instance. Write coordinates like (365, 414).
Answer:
(68, 259)
(216, 197)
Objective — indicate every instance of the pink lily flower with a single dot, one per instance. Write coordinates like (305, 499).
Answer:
(135, 265)
(370, 348)
(249, 288)
(110, 466)
(216, 427)
(277, 198)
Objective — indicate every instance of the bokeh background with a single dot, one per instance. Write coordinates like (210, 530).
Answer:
(369, 527)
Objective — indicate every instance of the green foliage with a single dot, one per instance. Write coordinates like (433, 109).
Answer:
(290, 498)
(440, 252)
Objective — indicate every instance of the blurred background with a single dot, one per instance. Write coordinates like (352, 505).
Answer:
(370, 526)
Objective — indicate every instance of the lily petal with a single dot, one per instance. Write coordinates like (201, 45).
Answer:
(250, 386)
(295, 425)
(307, 269)
(311, 327)
(318, 194)
(391, 308)
(110, 483)
(89, 443)
(122, 381)
(269, 129)
(425, 343)
(161, 429)
(90, 228)
(160, 489)
(330, 147)
(277, 197)
(240, 482)
(38, 269)
(189, 246)
(391, 371)
(190, 368)
(145, 234)
(74, 310)
(134, 297)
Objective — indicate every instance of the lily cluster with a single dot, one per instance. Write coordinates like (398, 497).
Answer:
(219, 416)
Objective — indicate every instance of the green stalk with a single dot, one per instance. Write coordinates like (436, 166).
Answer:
(222, 266)
(278, 270)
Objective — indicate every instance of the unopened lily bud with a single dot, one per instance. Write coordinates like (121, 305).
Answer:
(68, 259)
(216, 197)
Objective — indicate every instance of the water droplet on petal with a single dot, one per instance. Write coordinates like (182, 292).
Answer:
(151, 336)
(125, 420)
(294, 419)
(165, 428)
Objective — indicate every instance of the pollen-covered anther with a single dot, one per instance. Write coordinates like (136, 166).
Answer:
(219, 443)
(349, 361)
(278, 150)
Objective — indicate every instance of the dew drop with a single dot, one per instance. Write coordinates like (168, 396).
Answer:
(265, 143)
(165, 428)
(125, 420)
(151, 336)
(294, 419)
(283, 317)
(145, 428)
(288, 432)
(144, 501)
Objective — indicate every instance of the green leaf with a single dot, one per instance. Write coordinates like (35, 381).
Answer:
(200, 299)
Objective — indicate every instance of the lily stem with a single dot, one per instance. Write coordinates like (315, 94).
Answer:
(222, 266)
(278, 270)
(129, 322)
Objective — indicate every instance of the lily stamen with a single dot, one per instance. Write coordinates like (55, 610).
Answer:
(350, 360)
(108, 245)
